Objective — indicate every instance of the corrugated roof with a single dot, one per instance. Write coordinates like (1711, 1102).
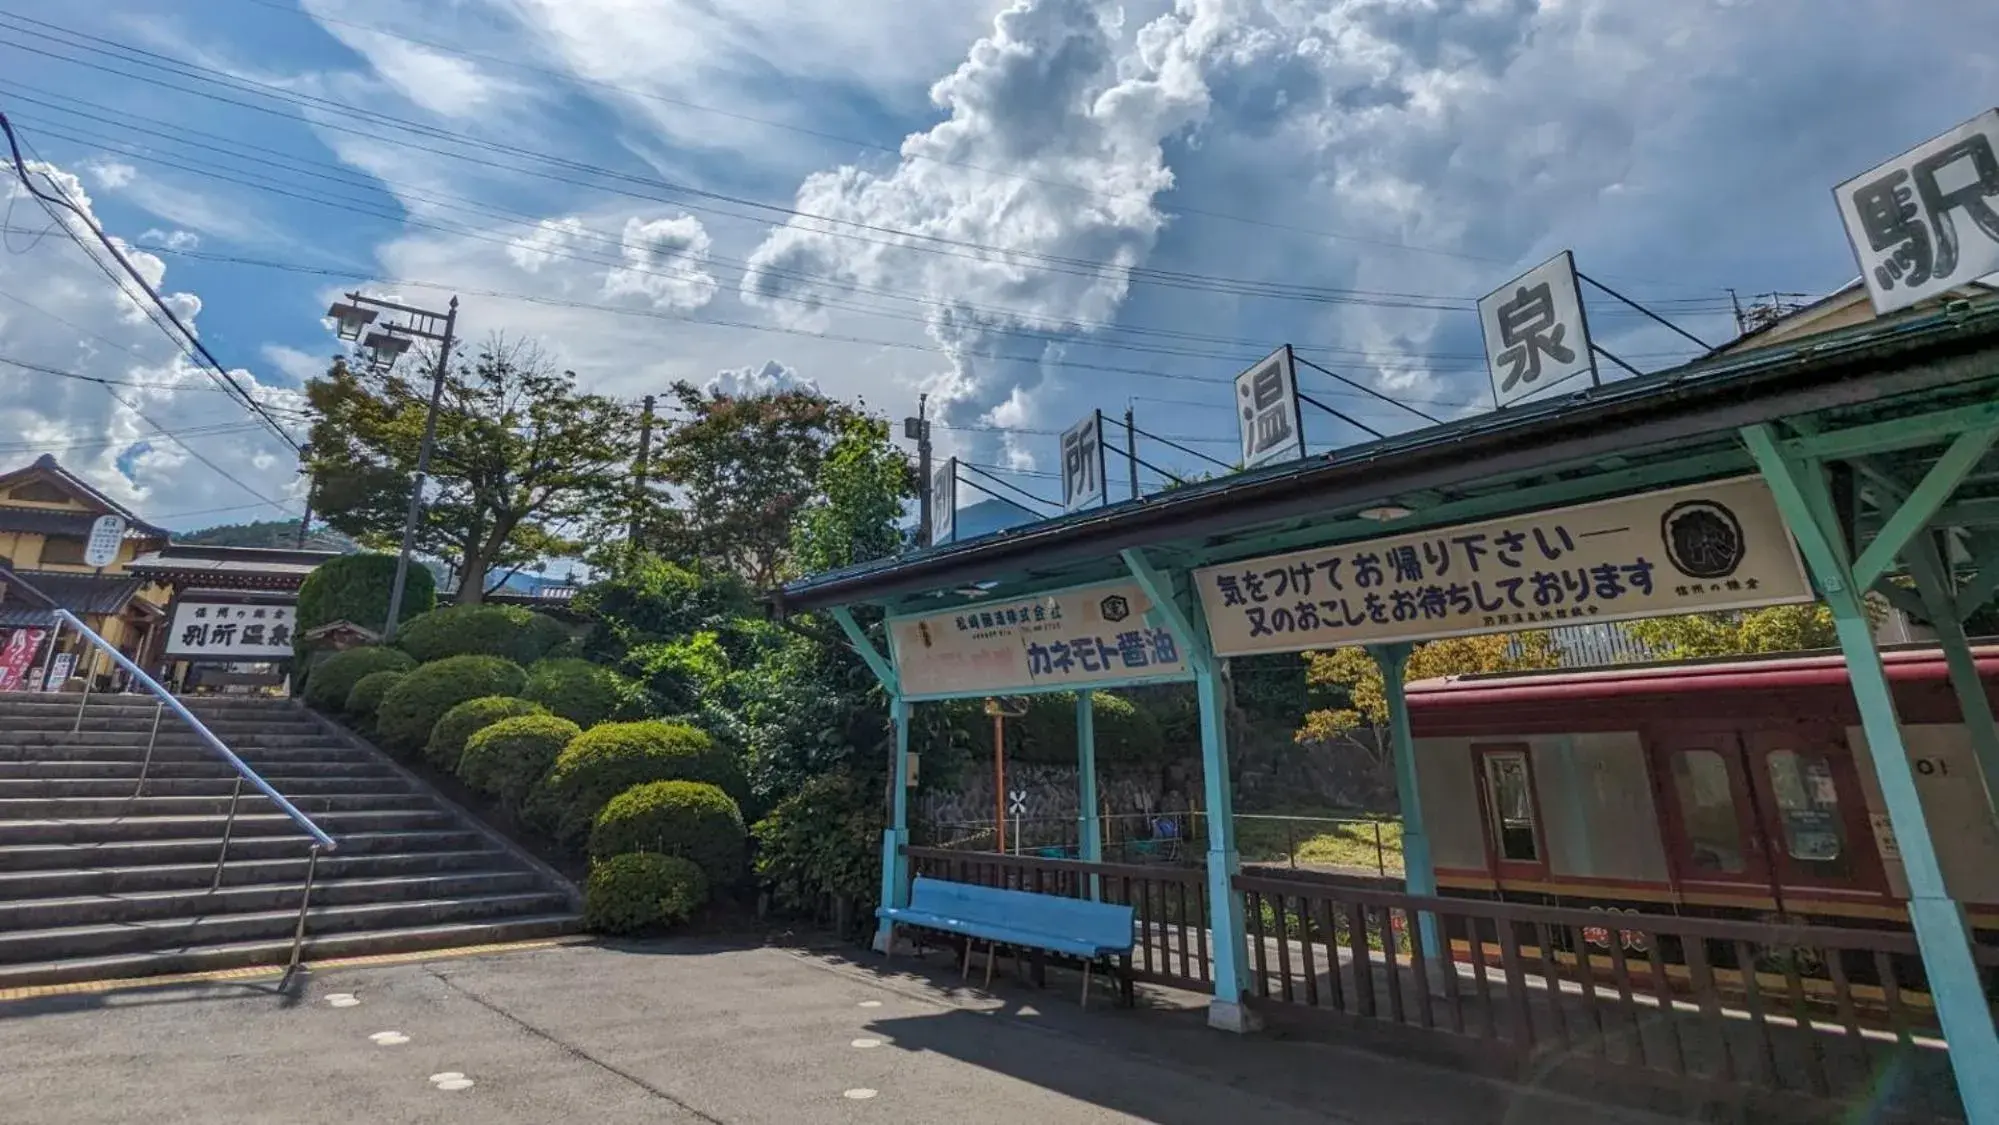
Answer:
(82, 594)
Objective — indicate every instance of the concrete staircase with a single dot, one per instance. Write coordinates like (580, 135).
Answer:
(97, 883)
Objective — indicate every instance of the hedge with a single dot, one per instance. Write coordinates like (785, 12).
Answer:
(336, 675)
(413, 707)
(507, 759)
(363, 704)
(447, 738)
(610, 758)
(690, 819)
(506, 631)
(578, 690)
(356, 588)
(1125, 733)
(638, 892)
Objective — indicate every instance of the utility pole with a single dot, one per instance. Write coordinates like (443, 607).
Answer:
(917, 429)
(639, 470)
(386, 344)
(1130, 448)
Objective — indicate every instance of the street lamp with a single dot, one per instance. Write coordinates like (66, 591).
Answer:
(385, 346)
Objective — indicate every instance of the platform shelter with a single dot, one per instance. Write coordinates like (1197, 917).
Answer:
(1826, 467)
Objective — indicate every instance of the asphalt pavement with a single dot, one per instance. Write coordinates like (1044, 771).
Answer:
(692, 1032)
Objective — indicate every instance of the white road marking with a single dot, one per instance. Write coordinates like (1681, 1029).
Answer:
(860, 1094)
(389, 1038)
(871, 1003)
(864, 1044)
(342, 999)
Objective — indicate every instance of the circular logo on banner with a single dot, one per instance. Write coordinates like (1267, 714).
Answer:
(1703, 539)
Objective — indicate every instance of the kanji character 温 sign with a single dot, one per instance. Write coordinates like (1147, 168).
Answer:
(1681, 550)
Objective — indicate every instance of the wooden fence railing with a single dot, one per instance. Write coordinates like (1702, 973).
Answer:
(1171, 903)
(1815, 1010)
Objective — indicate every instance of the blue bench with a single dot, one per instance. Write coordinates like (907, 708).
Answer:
(1070, 927)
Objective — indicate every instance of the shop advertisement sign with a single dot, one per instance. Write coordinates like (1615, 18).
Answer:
(1069, 638)
(1695, 549)
(220, 631)
(17, 656)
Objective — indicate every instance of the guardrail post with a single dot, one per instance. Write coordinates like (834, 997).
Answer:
(304, 902)
(895, 865)
(146, 764)
(1089, 831)
(228, 830)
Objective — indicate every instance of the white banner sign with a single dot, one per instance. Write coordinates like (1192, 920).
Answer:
(1083, 463)
(1683, 550)
(107, 537)
(1535, 334)
(1070, 638)
(944, 502)
(1266, 398)
(59, 672)
(1928, 220)
(214, 630)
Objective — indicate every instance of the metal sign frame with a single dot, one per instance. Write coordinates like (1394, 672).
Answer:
(1893, 206)
(944, 502)
(1246, 416)
(1560, 269)
(1092, 427)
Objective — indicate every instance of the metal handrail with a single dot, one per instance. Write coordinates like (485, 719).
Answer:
(167, 700)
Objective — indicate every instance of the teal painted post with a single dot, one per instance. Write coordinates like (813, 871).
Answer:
(1419, 874)
(1089, 829)
(1942, 932)
(895, 865)
(1225, 914)
(1926, 566)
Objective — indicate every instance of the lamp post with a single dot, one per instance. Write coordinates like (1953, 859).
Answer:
(384, 346)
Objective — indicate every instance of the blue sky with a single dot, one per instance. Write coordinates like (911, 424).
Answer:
(1025, 209)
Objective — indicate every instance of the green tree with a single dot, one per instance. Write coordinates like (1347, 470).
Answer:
(1363, 722)
(1779, 628)
(523, 459)
(863, 486)
(741, 469)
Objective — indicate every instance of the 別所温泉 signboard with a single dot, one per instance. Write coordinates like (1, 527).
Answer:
(1065, 639)
(1703, 547)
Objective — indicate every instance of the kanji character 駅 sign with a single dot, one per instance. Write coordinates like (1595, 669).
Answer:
(1069, 638)
(1928, 220)
(1682, 550)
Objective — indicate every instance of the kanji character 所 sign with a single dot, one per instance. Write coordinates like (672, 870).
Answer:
(1068, 638)
(1682, 550)
(228, 631)
(1083, 463)
(1903, 217)
(1535, 332)
(1268, 412)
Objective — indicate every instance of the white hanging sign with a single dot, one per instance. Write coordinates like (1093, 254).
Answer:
(1267, 411)
(1083, 463)
(944, 502)
(227, 631)
(107, 537)
(1928, 220)
(1535, 331)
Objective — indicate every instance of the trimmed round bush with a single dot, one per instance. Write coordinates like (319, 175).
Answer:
(414, 705)
(356, 588)
(506, 759)
(335, 675)
(690, 819)
(610, 758)
(506, 631)
(447, 738)
(629, 894)
(576, 689)
(363, 704)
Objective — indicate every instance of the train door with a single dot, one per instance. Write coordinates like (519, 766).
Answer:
(1713, 834)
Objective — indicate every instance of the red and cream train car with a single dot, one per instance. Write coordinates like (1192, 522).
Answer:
(1737, 788)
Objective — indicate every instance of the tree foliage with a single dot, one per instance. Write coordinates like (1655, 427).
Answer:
(862, 488)
(355, 588)
(741, 468)
(522, 459)
(1363, 721)
(1779, 628)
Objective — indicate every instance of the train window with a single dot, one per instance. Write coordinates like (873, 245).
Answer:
(1510, 793)
(1707, 811)
(1807, 807)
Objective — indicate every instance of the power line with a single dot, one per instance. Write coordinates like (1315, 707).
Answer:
(62, 199)
(1056, 263)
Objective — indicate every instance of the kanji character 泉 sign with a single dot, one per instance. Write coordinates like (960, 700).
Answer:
(1266, 398)
(211, 630)
(1928, 220)
(1083, 463)
(1069, 638)
(1535, 334)
(1682, 550)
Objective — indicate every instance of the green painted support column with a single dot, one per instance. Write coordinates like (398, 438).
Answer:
(1933, 584)
(1942, 931)
(1419, 874)
(895, 865)
(1226, 932)
(1089, 829)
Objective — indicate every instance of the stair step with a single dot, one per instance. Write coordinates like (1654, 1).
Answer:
(200, 849)
(212, 767)
(200, 902)
(317, 752)
(79, 830)
(116, 786)
(18, 946)
(62, 882)
(168, 739)
(235, 955)
(164, 805)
